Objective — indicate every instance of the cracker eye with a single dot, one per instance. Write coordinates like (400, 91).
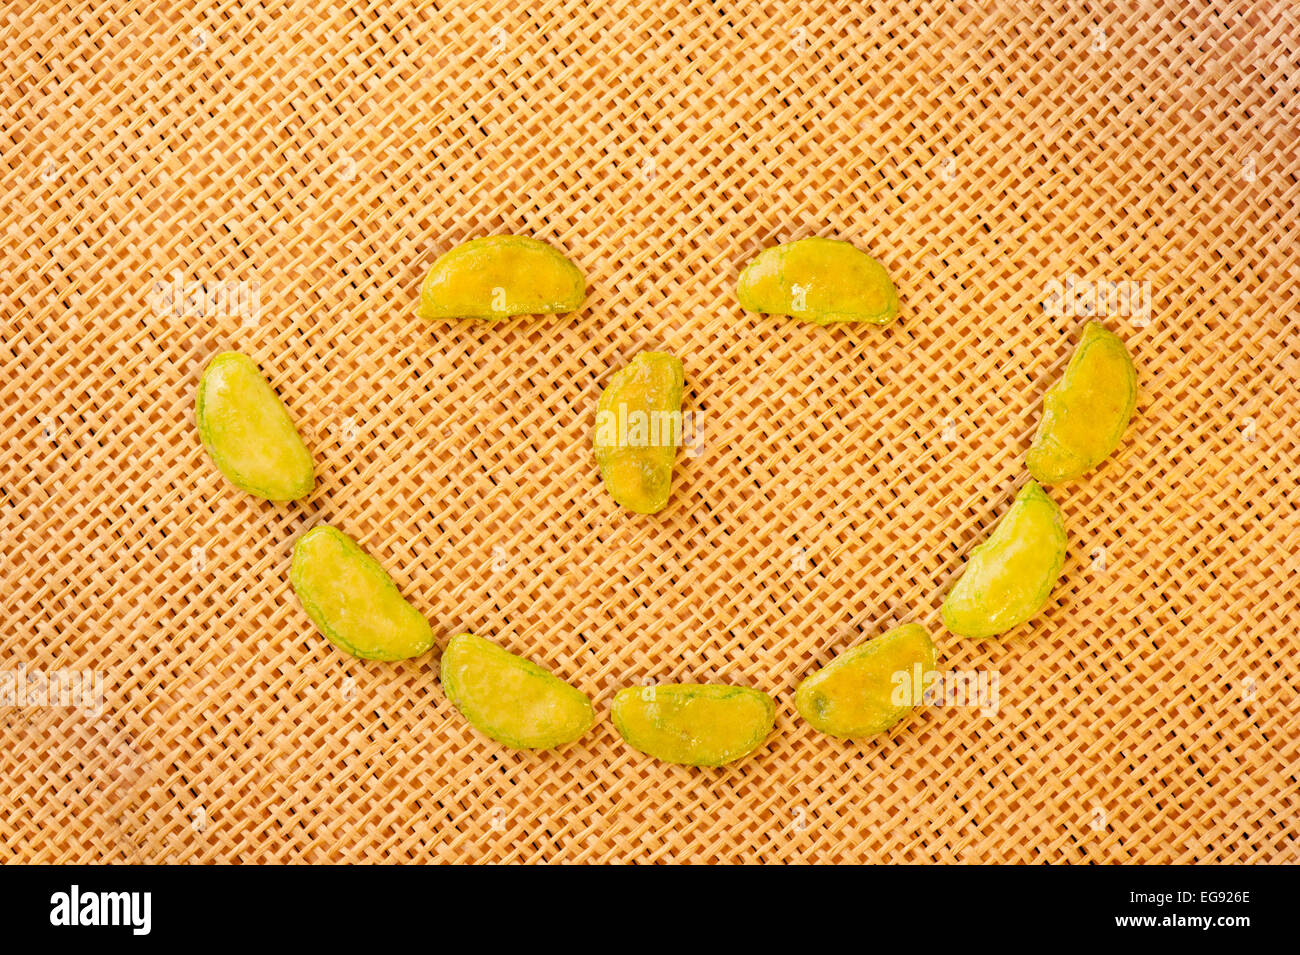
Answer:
(823, 281)
(500, 276)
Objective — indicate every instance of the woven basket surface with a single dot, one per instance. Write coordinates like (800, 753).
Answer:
(276, 177)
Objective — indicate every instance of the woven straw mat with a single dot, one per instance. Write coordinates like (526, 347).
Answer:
(277, 177)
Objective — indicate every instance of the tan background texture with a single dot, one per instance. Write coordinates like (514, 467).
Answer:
(319, 156)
